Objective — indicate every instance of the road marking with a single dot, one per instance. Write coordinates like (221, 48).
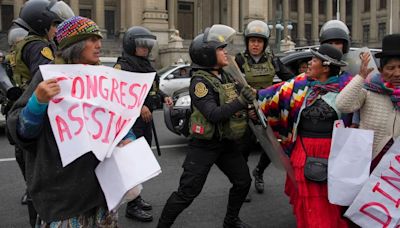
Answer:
(171, 146)
(153, 148)
(7, 159)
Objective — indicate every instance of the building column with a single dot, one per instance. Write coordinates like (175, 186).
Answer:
(285, 18)
(17, 7)
(315, 21)
(155, 18)
(172, 6)
(235, 15)
(329, 9)
(373, 33)
(122, 18)
(356, 25)
(393, 17)
(74, 4)
(301, 39)
(252, 11)
(343, 10)
(99, 15)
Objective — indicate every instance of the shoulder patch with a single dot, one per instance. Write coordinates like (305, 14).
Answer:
(200, 90)
(46, 52)
(117, 66)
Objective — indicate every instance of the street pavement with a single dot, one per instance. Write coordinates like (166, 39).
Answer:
(270, 209)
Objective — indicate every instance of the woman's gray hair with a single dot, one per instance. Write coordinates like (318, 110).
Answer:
(72, 54)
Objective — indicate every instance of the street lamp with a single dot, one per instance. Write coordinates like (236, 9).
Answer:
(279, 28)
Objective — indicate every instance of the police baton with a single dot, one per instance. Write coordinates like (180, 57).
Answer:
(155, 137)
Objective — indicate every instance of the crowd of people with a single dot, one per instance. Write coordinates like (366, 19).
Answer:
(301, 110)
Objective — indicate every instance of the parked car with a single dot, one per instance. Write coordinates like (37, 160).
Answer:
(174, 78)
(176, 118)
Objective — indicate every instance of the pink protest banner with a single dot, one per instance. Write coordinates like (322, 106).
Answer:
(377, 204)
(95, 109)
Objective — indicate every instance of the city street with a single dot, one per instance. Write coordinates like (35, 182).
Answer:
(270, 209)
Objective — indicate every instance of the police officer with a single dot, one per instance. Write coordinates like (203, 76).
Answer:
(219, 118)
(137, 44)
(260, 67)
(335, 32)
(40, 18)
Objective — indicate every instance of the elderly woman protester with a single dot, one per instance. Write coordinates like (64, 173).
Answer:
(377, 96)
(63, 196)
(301, 112)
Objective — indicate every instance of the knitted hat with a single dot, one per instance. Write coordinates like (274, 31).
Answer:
(76, 29)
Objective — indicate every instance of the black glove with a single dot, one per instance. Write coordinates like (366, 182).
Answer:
(247, 95)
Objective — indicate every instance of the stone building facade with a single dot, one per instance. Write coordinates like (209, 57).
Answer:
(368, 20)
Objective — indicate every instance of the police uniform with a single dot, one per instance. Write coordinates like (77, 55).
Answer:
(142, 65)
(217, 120)
(29, 54)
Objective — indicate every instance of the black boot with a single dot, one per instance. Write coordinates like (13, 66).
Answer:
(258, 180)
(133, 211)
(143, 204)
(235, 223)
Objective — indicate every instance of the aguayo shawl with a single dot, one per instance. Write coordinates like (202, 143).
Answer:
(281, 103)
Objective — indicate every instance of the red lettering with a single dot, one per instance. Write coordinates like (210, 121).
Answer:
(96, 136)
(389, 197)
(119, 125)
(75, 87)
(121, 92)
(73, 118)
(133, 94)
(376, 204)
(142, 95)
(105, 139)
(103, 92)
(91, 86)
(114, 88)
(62, 128)
(397, 158)
(389, 178)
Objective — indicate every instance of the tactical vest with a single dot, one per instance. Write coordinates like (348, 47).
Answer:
(259, 75)
(21, 73)
(232, 129)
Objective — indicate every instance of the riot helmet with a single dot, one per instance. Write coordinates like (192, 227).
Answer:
(138, 36)
(16, 34)
(37, 16)
(258, 29)
(203, 48)
(335, 30)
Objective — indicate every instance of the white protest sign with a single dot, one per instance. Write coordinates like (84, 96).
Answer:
(95, 109)
(377, 204)
(128, 167)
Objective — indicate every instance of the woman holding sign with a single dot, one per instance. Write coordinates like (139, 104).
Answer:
(377, 96)
(62, 195)
(301, 112)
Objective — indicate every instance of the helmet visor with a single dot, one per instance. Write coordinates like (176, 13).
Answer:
(220, 33)
(16, 34)
(62, 10)
(334, 24)
(145, 42)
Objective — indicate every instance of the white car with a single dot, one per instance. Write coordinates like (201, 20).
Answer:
(174, 78)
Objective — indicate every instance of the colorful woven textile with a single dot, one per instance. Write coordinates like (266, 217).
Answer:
(76, 29)
(282, 102)
(376, 84)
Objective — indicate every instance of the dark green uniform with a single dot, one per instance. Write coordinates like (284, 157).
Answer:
(218, 118)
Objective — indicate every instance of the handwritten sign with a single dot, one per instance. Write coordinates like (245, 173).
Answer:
(378, 203)
(95, 109)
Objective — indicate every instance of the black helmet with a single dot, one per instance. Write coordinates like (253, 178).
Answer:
(259, 29)
(37, 16)
(335, 30)
(203, 48)
(138, 36)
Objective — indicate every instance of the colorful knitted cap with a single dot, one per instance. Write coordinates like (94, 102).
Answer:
(76, 29)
